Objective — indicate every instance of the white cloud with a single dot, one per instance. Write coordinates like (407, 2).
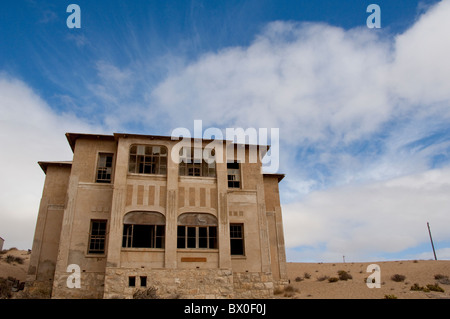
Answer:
(421, 69)
(30, 131)
(387, 216)
(323, 86)
(314, 81)
(328, 90)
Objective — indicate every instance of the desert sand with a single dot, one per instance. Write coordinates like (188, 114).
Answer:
(421, 272)
(305, 278)
(14, 269)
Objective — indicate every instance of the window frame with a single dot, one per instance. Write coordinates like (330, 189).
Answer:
(240, 238)
(97, 239)
(157, 236)
(104, 168)
(191, 234)
(191, 163)
(145, 161)
(236, 172)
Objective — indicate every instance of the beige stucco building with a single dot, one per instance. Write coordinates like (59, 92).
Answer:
(130, 215)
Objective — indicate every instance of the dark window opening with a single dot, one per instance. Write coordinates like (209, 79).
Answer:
(197, 237)
(97, 237)
(143, 236)
(131, 281)
(143, 281)
(237, 239)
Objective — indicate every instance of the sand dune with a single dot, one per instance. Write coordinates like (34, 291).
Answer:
(14, 268)
(421, 272)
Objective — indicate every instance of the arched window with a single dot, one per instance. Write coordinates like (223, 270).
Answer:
(197, 230)
(143, 230)
(148, 159)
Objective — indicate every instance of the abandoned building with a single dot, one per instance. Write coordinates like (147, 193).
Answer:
(2, 241)
(131, 217)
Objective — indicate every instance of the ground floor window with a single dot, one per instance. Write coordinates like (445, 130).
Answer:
(197, 237)
(143, 236)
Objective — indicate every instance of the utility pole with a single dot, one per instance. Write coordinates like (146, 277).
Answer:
(431, 239)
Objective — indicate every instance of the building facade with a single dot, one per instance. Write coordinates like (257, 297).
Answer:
(131, 212)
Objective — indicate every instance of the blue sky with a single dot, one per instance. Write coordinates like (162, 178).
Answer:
(364, 114)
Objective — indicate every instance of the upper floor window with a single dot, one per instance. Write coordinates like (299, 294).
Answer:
(193, 164)
(234, 175)
(146, 159)
(104, 168)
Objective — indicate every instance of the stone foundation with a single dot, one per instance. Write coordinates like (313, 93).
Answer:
(92, 286)
(171, 283)
(252, 285)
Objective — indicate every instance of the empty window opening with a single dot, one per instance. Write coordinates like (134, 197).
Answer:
(132, 281)
(143, 236)
(143, 280)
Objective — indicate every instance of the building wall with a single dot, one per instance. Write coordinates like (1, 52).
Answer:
(275, 227)
(170, 195)
(87, 200)
(1, 243)
(48, 225)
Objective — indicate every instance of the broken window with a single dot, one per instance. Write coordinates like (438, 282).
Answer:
(143, 236)
(146, 159)
(104, 168)
(234, 175)
(197, 231)
(143, 230)
(97, 237)
(237, 239)
(193, 163)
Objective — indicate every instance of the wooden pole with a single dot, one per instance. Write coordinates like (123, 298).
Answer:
(431, 239)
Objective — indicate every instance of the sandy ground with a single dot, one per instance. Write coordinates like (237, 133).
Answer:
(14, 269)
(421, 272)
